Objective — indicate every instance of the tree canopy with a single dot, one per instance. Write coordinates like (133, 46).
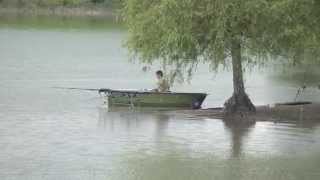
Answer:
(184, 31)
(181, 33)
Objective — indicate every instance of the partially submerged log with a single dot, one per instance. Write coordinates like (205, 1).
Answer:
(293, 103)
(296, 111)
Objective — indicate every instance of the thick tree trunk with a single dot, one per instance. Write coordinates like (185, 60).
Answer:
(239, 102)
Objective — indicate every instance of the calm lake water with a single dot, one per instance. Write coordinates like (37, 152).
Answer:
(47, 133)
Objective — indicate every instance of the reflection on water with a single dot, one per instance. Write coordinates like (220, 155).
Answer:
(225, 136)
(238, 131)
(186, 147)
(85, 143)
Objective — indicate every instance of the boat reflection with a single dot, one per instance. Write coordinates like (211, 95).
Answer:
(134, 118)
(155, 123)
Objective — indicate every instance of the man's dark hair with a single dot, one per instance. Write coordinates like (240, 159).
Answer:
(160, 73)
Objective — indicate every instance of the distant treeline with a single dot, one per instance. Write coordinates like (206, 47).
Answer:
(55, 3)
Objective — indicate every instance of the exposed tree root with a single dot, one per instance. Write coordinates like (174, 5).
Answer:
(239, 103)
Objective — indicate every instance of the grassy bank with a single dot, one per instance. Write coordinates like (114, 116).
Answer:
(59, 11)
(72, 8)
(60, 23)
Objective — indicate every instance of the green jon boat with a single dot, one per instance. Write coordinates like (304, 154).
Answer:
(152, 99)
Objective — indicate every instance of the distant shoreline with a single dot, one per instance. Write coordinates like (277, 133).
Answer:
(60, 12)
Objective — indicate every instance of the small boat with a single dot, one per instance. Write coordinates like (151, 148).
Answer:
(152, 99)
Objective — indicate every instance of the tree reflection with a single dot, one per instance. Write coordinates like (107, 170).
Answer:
(239, 130)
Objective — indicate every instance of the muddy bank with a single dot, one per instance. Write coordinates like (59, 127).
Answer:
(60, 11)
(276, 113)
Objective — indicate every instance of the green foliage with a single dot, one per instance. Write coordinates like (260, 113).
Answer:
(184, 32)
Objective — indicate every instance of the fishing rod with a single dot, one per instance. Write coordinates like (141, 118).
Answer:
(101, 90)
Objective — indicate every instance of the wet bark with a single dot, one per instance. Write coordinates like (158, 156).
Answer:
(239, 102)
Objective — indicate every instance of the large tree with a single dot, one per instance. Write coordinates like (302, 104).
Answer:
(182, 33)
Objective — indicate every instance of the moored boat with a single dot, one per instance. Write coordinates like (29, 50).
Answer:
(152, 99)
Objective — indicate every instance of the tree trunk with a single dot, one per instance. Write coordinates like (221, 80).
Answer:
(239, 102)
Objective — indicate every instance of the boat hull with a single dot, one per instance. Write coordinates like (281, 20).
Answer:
(154, 99)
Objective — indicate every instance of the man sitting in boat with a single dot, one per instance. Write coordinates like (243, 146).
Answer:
(162, 84)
